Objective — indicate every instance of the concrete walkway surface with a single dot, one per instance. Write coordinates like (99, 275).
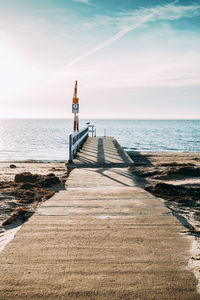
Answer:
(101, 238)
(101, 152)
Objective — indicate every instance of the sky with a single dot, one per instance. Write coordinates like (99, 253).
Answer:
(136, 59)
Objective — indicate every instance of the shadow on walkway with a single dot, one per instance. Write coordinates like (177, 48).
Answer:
(101, 152)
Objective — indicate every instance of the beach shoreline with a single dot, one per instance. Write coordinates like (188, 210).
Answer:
(150, 169)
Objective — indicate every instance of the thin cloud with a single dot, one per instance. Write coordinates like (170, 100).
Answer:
(110, 41)
(129, 21)
(62, 10)
(181, 78)
(82, 1)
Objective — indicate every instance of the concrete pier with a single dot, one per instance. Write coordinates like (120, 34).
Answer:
(101, 152)
(103, 237)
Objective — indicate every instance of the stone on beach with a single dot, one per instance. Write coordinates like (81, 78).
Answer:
(12, 166)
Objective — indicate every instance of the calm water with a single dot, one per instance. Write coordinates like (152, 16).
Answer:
(48, 139)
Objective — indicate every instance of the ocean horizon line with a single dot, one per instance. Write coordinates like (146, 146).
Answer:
(132, 119)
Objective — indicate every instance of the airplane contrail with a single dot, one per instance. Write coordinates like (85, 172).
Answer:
(110, 41)
(168, 12)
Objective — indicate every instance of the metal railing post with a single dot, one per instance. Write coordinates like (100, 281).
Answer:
(76, 140)
(70, 148)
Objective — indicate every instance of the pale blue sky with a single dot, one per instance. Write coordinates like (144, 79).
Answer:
(132, 58)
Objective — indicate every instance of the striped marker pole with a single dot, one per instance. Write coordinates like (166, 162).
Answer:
(75, 108)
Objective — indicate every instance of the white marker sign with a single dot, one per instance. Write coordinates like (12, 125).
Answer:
(75, 108)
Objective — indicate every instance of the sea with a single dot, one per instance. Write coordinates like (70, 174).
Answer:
(47, 139)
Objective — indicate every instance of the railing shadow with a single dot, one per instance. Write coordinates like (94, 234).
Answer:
(141, 161)
(101, 152)
(103, 170)
(139, 158)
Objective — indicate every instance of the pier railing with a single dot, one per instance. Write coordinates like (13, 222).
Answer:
(76, 140)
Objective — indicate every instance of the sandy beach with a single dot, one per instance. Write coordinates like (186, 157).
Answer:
(112, 198)
(18, 200)
(175, 178)
(172, 176)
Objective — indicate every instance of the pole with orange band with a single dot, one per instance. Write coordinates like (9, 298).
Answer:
(75, 108)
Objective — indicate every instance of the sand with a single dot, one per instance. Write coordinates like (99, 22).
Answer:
(171, 168)
(149, 168)
(9, 203)
(176, 169)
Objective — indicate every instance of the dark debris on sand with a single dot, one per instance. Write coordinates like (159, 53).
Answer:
(20, 197)
(19, 213)
(181, 171)
(188, 196)
(154, 176)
